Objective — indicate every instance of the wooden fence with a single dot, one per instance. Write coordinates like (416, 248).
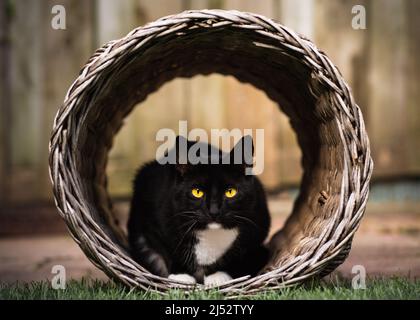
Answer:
(39, 63)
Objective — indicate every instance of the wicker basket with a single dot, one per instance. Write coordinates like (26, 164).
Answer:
(289, 68)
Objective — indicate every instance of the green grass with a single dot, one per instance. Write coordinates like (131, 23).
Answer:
(394, 288)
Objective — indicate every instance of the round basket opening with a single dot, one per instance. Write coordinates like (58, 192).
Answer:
(305, 84)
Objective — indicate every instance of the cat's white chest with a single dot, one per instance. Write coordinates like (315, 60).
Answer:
(213, 242)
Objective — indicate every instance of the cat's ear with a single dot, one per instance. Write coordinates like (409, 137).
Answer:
(181, 149)
(242, 153)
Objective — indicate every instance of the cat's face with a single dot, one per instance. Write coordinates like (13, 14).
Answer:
(213, 195)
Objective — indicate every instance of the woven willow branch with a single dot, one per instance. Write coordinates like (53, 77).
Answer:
(338, 170)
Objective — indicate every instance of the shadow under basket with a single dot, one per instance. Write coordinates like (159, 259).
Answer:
(306, 85)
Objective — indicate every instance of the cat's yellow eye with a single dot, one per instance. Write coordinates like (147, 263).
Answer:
(196, 192)
(231, 192)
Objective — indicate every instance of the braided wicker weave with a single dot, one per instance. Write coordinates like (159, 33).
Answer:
(289, 68)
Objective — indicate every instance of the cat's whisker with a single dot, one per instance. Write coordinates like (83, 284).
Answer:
(185, 224)
(189, 214)
(247, 220)
(189, 255)
(185, 234)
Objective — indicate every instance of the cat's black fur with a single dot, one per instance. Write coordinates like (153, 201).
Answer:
(164, 217)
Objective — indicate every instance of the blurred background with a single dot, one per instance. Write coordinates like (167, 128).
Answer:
(39, 63)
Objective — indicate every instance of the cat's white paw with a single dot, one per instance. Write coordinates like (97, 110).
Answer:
(217, 278)
(183, 277)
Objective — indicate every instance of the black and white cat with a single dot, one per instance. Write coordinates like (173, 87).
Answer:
(199, 223)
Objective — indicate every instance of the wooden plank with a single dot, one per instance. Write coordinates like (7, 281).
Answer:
(389, 101)
(346, 47)
(206, 103)
(248, 107)
(282, 155)
(26, 99)
(152, 10)
(64, 52)
(136, 142)
(412, 92)
(264, 7)
(298, 15)
(5, 107)
(114, 19)
(44, 64)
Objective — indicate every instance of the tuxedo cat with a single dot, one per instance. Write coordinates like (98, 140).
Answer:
(199, 222)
